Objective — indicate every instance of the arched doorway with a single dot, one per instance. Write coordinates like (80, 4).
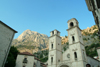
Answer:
(64, 66)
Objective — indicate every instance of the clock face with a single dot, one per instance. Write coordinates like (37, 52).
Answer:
(68, 55)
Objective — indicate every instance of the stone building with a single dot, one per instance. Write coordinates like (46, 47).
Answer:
(6, 37)
(94, 6)
(26, 59)
(75, 55)
(98, 50)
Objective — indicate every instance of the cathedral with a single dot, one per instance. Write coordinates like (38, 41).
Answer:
(75, 55)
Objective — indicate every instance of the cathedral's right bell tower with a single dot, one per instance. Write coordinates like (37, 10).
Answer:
(76, 46)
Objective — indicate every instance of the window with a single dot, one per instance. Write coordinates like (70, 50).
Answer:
(75, 55)
(58, 43)
(98, 3)
(25, 60)
(71, 24)
(52, 46)
(53, 32)
(73, 39)
(58, 60)
(68, 55)
(51, 60)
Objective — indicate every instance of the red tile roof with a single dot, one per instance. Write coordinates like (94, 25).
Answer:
(29, 54)
(37, 58)
(44, 65)
(26, 53)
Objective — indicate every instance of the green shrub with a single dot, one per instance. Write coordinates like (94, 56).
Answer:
(91, 50)
(65, 36)
(11, 59)
(84, 39)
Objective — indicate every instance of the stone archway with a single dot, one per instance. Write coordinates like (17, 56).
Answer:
(64, 66)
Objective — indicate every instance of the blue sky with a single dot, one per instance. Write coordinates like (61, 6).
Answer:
(44, 16)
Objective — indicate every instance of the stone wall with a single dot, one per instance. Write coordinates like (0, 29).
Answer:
(20, 58)
(6, 36)
(93, 62)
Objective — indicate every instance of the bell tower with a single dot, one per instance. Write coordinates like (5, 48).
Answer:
(76, 46)
(55, 54)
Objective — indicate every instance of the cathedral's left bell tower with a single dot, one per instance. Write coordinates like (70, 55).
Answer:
(55, 54)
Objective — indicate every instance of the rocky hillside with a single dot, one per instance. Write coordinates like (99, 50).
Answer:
(31, 41)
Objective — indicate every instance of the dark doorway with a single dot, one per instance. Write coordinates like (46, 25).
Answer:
(64, 66)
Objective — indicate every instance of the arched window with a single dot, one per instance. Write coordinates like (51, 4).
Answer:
(71, 24)
(52, 46)
(51, 59)
(75, 55)
(73, 39)
(53, 32)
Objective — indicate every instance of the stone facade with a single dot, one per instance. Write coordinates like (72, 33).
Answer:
(93, 62)
(26, 59)
(54, 49)
(75, 55)
(6, 37)
(98, 50)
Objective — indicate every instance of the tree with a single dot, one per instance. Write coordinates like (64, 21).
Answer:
(11, 60)
(91, 50)
(65, 36)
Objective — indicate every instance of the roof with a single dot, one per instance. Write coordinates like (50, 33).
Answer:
(93, 58)
(44, 65)
(37, 58)
(73, 19)
(98, 48)
(29, 54)
(8, 26)
(26, 53)
(55, 30)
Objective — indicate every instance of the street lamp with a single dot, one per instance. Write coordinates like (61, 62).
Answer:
(94, 6)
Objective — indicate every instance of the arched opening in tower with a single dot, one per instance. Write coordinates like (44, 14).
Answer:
(71, 24)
